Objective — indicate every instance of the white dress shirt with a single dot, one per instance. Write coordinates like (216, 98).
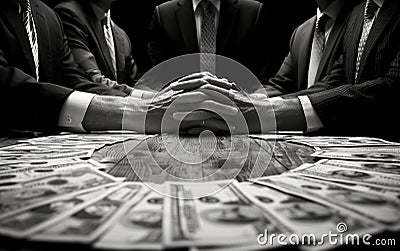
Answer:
(313, 121)
(333, 10)
(199, 17)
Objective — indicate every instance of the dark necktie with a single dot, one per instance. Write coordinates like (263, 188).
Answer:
(27, 18)
(110, 40)
(369, 15)
(208, 37)
(317, 48)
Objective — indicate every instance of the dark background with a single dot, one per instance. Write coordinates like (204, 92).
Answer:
(281, 18)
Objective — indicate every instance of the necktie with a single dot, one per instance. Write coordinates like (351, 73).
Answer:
(27, 18)
(369, 15)
(110, 40)
(208, 37)
(317, 48)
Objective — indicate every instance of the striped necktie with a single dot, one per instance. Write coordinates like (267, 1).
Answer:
(108, 34)
(369, 16)
(317, 48)
(208, 37)
(29, 23)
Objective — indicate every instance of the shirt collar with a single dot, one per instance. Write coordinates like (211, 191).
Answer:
(379, 2)
(99, 12)
(333, 10)
(216, 3)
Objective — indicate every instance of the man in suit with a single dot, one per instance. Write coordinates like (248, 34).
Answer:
(41, 88)
(314, 47)
(99, 46)
(360, 92)
(238, 31)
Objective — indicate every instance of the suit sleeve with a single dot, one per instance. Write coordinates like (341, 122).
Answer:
(26, 104)
(338, 103)
(284, 80)
(157, 50)
(76, 38)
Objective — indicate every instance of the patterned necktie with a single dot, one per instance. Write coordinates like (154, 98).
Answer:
(208, 37)
(27, 18)
(369, 16)
(317, 48)
(110, 40)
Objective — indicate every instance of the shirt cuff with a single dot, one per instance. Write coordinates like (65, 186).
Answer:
(136, 93)
(312, 119)
(74, 110)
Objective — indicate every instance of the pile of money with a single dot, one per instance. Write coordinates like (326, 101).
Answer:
(51, 192)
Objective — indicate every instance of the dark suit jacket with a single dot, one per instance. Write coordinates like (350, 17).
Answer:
(293, 74)
(366, 105)
(89, 47)
(25, 103)
(241, 34)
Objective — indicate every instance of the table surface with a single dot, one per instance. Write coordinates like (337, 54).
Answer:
(170, 157)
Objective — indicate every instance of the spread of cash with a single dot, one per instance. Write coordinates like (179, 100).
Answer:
(51, 191)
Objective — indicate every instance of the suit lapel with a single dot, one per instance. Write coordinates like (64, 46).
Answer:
(304, 51)
(387, 12)
(356, 25)
(187, 24)
(99, 33)
(333, 40)
(228, 12)
(10, 12)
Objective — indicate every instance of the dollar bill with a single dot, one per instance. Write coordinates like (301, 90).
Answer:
(32, 191)
(91, 221)
(137, 227)
(379, 167)
(324, 141)
(25, 222)
(7, 158)
(387, 154)
(348, 175)
(46, 166)
(213, 214)
(24, 172)
(381, 209)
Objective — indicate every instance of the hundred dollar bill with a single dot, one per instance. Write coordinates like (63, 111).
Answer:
(378, 154)
(25, 222)
(379, 167)
(324, 141)
(137, 227)
(348, 175)
(46, 166)
(91, 221)
(97, 140)
(28, 172)
(7, 158)
(381, 209)
(32, 191)
(214, 214)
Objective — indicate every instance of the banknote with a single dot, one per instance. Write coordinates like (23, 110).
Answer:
(348, 175)
(324, 141)
(24, 172)
(137, 227)
(25, 222)
(379, 167)
(381, 209)
(40, 189)
(91, 221)
(7, 158)
(388, 154)
(51, 164)
(98, 139)
(213, 214)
